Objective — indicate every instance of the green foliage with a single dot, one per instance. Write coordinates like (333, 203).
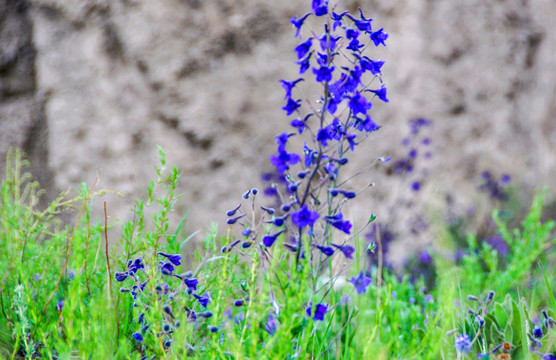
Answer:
(45, 264)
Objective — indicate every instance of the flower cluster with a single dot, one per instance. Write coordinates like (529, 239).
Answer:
(310, 209)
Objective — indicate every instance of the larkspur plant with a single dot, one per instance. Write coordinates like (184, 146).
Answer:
(289, 281)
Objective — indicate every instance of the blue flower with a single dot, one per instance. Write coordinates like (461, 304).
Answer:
(381, 93)
(303, 48)
(268, 240)
(463, 344)
(337, 19)
(288, 86)
(379, 37)
(300, 124)
(291, 106)
(270, 326)
(347, 250)
(166, 268)
(304, 217)
(360, 283)
(60, 305)
(323, 74)
(359, 105)
(320, 7)
(328, 41)
(174, 259)
(374, 66)
(362, 24)
(120, 276)
(283, 160)
(320, 311)
(137, 336)
(298, 23)
(191, 283)
(203, 300)
(304, 64)
(233, 220)
(326, 250)
(338, 222)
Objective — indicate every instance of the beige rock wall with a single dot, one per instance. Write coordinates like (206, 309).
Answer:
(113, 79)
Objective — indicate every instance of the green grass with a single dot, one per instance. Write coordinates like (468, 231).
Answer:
(44, 262)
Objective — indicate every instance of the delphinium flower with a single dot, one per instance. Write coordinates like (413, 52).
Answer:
(463, 344)
(319, 311)
(496, 189)
(361, 283)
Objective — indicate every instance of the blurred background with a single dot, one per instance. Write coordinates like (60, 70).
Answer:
(89, 86)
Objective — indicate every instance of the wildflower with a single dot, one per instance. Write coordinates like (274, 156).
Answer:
(268, 240)
(174, 259)
(338, 222)
(137, 336)
(359, 105)
(270, 326)
(166, 268)
(304, 64)
(323, 74)
(291, 106)
(135, 265)
(303, 48)
(239, 302)
(212, 328)
(537, 332)
(425, 257)
(320, 7)
(374, 66)
(381, 93)
(328, 41)
(320, 311)
(347, 250)
(379, 37)
(362, 24)
(288, 86)
(283, 160)
(304, 217)
(326, 250)
(60, 305)
(119, 276)
(360, 282)
(191, 283)
(463, 344)
(203, 300)
(298, 23)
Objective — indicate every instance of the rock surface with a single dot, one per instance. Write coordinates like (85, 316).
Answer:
(96, 85)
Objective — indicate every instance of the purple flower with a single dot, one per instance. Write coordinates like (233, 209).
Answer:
(233, 220)
(270, 325)
(298, 23)
(323, 74)
(338, 222)
(203, 300)
(191, 283)
(328, 41)
(337, 19)
(174, 259)
(268, 240)
(361, 283)
(121, 276)
(137, 336)
(60, 305)
(320, 7)
(288, 86)
(347, 250)
(304, 217)
(425, 257)
(359, 105)
(303, 48)
(499, 244)
(166, 268)
(381, 93)
(373, 66)
(463, 344)
(283, 160)
(291, 106)
(379, 37)
(326, 250)
(537, 332)
(362, 24)
(320, 311)
(304, 64)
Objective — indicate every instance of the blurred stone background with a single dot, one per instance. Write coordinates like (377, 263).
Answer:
(94, 85)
